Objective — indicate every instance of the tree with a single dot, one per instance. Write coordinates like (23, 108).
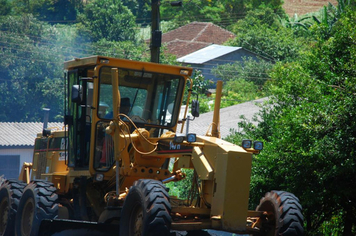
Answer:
(309, 132)
(223, 12)
(31, 69)
(233, 11)
(275, 5)
(5, 7)
(108, 19)
(243, 81)
(126, 50)
(194, 10)
(141, 9)
(52, 11)
(261, 32)
(255, 71)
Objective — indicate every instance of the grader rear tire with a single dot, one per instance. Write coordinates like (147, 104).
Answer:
(146, 210)
(284, 214)
(10, 194)
(38, 202)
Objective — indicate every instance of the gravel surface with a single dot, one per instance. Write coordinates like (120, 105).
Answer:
(229, 118)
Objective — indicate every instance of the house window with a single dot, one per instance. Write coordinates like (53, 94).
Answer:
(10, 165)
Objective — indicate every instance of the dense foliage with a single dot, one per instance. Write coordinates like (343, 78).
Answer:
(30, 77)
(53, 11)
(33, 53)
(223, 12)
(108, 19)
(33, 50)
(249, 70)
(261, 32)
(310, 131)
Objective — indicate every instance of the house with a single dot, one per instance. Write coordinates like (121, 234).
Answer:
(194, 36)
(17, 145)
(213, 55)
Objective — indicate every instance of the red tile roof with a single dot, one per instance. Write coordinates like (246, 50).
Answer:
(194, 36)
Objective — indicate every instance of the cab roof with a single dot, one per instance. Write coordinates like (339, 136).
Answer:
(124, 63)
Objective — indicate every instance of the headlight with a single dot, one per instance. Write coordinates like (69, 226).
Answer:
(257, 145)
(246, 143)
(99, 177)
(191, 138)
(179, 138)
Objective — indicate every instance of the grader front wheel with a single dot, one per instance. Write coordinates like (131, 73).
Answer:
(284, 214)
(38, 202)
(146, 210)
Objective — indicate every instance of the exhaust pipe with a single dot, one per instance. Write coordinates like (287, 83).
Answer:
(45, 131)
(215, 130)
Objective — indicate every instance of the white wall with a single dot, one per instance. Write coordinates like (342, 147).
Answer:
(25, 154)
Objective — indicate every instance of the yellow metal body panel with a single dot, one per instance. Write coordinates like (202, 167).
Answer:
(36, 168)
(24, 175)
(50, 155)
(49, 162)
(57, 161)
(201, 164)
(230, 199)
(183, 162)
(228, 192)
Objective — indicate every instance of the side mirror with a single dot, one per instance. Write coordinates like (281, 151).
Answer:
(195, 108)
(77, 93)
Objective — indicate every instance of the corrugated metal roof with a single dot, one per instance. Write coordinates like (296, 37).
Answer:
(207, 54)
(20, 134)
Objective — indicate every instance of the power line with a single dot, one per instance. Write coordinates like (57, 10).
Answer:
(76, 46)
(76, 49)
(83, 55)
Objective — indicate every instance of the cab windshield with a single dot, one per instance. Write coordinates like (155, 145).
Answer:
(147, 98)
(150, 100)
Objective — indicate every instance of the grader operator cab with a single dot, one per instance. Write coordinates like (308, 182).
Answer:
(123, 140)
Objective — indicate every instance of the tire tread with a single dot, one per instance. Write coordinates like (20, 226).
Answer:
(156, 205)
(288, 210)
(14, 188)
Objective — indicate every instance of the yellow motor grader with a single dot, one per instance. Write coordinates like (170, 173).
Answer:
(124, 139)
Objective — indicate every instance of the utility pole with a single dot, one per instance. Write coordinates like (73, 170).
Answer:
(156, 34)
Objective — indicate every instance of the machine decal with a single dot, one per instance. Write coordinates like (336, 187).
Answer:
(168, 146)
(62, 156)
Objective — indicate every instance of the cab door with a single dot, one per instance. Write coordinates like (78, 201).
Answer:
(78, 118)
